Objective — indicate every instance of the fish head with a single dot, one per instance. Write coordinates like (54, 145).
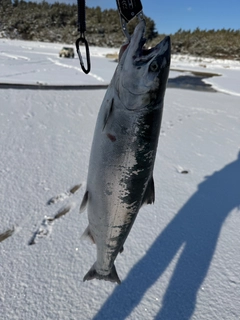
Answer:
(142, 74)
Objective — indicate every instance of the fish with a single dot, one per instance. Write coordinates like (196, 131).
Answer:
(120, 174)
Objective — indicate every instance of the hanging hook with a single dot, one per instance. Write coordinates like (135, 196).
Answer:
(128, 10)
(84, 41)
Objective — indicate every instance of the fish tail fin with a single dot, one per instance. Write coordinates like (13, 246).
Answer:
(112, 276)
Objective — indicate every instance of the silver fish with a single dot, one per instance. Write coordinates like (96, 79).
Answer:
(120, 175)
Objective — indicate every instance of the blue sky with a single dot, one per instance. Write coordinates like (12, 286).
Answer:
(172, 15)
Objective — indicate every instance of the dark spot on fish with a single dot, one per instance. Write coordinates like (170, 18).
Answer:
(185, 172)
(138, 68)
(111, 137)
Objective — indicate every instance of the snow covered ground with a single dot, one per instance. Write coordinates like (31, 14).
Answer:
(181, 260)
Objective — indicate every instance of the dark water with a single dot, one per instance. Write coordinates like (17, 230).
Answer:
(192, 82)
(185, 81)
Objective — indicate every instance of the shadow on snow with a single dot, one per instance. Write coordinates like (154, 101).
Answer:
(196, 226)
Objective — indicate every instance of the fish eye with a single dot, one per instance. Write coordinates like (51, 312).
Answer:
(154, 66)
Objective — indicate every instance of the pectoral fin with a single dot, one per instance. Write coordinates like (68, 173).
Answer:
(84, 202)
(149, 195)
(108, 113)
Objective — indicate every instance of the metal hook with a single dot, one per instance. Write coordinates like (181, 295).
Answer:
(84, 41)
(124, 29)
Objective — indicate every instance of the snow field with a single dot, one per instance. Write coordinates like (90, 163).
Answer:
(181, 260)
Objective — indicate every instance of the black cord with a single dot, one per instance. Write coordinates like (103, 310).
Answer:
(81, 16)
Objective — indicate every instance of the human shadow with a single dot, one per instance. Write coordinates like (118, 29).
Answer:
(195, 229)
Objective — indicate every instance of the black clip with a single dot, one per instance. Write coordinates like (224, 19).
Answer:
(84, 41)
(128, 9)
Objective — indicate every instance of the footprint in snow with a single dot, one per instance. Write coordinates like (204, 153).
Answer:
(28, 115)
(46, 225)
(62, 196)
(6, 234)
(184, 172)
(181, 170)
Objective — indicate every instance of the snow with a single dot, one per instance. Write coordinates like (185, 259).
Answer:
(32, 62)
(181, 259)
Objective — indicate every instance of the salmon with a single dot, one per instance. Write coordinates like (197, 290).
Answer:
(120, 173)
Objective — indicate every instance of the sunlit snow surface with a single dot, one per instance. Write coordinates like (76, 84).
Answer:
(181, 260)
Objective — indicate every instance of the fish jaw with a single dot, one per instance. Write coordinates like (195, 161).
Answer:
(142, 74)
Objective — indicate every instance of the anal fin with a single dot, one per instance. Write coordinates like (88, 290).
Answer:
(87, 235)
(149, 195)
(121, 250)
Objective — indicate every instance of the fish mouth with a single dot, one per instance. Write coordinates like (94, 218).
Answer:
(143, 72)
(162, 48)
(143, 54)
(137, 50)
